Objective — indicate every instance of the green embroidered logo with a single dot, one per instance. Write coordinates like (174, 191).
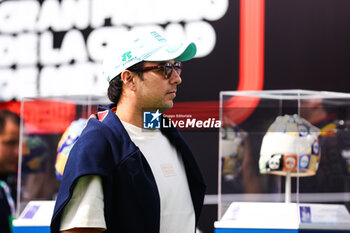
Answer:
(174, 48)
(126, 56)
(157, 36)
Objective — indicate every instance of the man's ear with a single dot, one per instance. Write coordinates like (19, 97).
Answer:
(128, 79)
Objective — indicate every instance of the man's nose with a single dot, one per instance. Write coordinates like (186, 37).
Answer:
(175, 78)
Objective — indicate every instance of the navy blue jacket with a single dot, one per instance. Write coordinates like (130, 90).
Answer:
(131, 197)
(5, 212)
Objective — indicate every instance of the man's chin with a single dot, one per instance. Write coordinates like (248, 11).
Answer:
(12, 169)
(166, 107)
(162, 108)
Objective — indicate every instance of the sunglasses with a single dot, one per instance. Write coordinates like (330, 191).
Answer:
(167, 68)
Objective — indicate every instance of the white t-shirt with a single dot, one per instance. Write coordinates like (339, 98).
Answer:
(85, 208)
(177, 213)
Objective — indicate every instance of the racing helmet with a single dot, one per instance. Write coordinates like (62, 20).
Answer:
(290, 145)
(68, 139)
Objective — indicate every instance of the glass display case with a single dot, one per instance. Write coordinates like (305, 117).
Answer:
(283, 146)
(49, 127)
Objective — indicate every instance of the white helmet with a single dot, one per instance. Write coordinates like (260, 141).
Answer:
(290, 145)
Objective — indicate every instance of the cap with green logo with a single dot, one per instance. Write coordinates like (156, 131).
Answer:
(145, 46)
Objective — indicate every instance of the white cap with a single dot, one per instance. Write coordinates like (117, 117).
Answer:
(145, 46)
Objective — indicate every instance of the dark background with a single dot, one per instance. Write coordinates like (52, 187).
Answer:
(307, 46)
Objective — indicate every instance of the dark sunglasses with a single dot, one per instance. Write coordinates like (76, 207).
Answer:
(167, 68)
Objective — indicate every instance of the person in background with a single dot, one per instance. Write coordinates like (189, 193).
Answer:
(9, 144)
(333, 173)
(120, 175)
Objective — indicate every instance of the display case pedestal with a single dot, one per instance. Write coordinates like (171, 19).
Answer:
(284, 217)
(35, 218)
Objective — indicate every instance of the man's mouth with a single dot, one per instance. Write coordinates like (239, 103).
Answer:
(172, 92)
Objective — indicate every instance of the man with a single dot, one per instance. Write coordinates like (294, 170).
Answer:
(9, 139)
(120, 177)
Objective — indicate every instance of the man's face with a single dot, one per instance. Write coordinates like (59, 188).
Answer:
(154, 90)
(9, 140)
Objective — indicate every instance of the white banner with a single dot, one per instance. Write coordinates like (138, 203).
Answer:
(54, 47)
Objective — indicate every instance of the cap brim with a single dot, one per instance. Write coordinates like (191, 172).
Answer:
(177, 52)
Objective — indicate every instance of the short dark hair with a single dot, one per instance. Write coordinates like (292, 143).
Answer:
(116, 84)
(6, 114)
